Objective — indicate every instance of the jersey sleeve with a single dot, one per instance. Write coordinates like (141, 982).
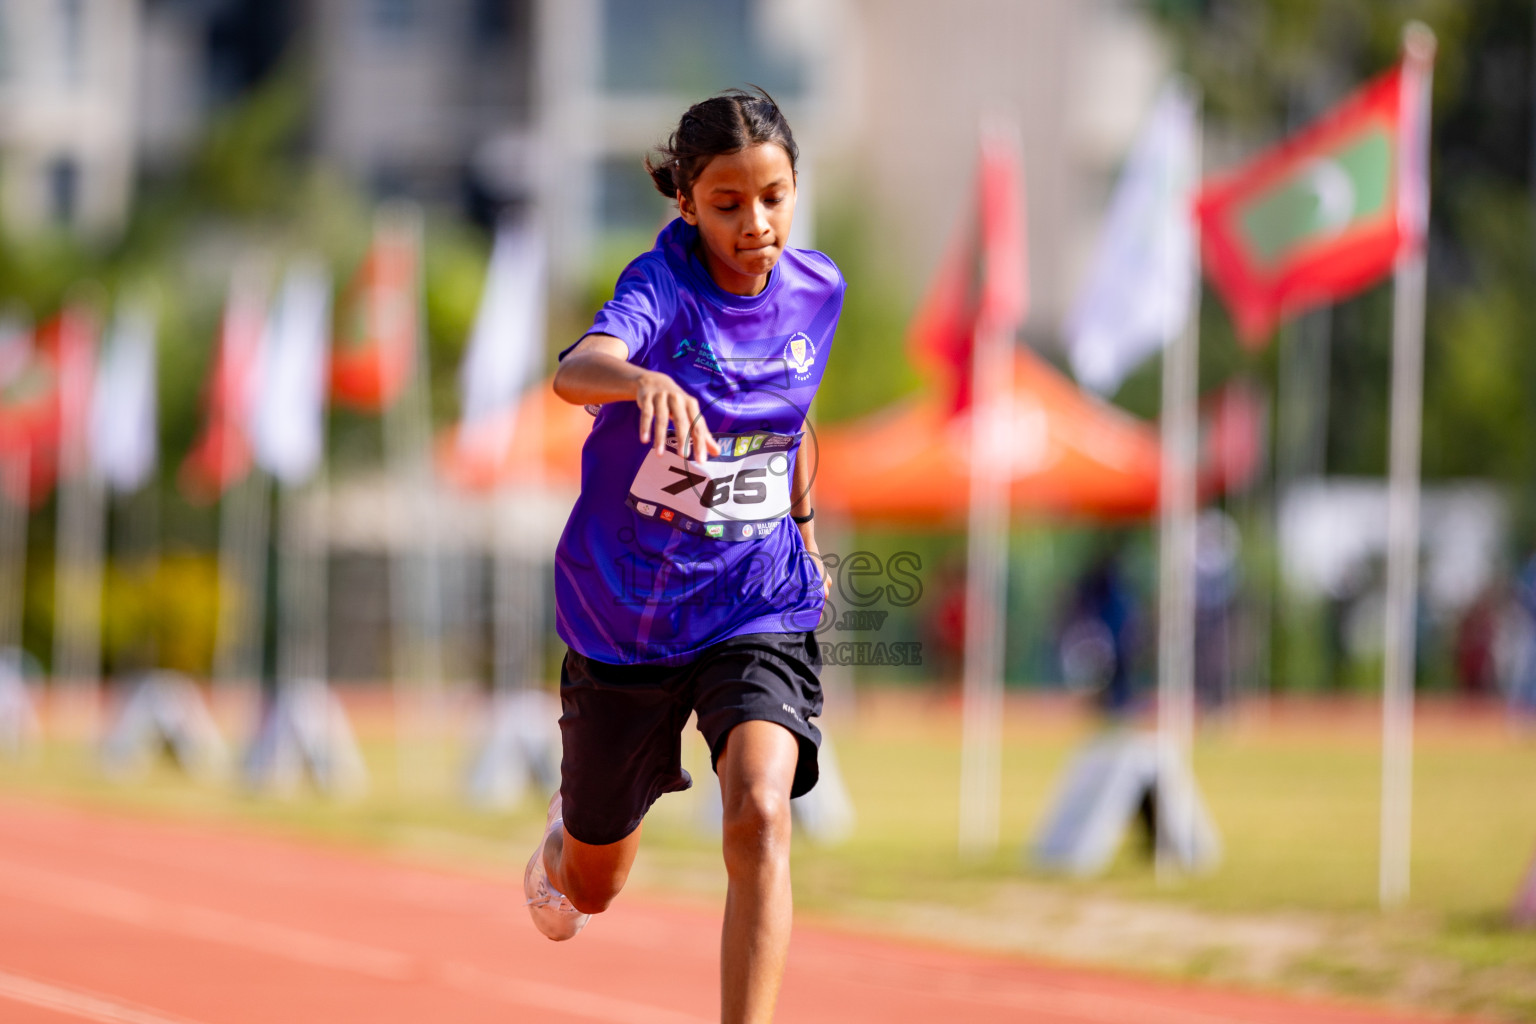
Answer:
(644, 301)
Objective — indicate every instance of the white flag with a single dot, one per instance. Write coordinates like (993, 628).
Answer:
(1139, 291)
(506, 347)
(288, 418)
(124, 436)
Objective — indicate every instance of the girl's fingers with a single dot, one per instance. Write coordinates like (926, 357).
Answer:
(677, 406)
(647, 414)
(703, 443)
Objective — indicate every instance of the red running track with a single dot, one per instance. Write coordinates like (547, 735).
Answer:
(130, 922)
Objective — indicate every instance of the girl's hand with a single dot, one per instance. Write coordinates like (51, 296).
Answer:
(661, 399)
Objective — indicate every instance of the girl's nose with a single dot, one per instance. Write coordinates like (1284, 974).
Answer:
(759, 220)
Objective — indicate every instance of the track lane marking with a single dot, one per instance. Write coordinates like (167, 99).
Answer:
(79, 1003)
(576, 1003)
(126, 906)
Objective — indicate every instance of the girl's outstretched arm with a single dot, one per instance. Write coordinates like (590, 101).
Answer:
(596, 372)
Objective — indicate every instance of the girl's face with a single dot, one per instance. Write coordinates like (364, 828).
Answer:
(743, 204)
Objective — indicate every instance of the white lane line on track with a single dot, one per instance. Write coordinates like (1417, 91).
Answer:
(129, 907)
(79, 1004)
(126, 906)
(559, 999)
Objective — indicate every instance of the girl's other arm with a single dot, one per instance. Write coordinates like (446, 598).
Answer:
(800, 505)
(597, 371)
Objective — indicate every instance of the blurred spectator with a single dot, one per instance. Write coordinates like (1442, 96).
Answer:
(1217, 544)
(1522, 688)
(1098, 639)
(1476, 636)
(946, 625)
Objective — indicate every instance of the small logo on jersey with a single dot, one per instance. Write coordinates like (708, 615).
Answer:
(645, 508)
(801, 355)
(743, 445)
(777, 441)
(715, 530)
(666, 515)
(703, 354)
(757, 441)
(747, 530)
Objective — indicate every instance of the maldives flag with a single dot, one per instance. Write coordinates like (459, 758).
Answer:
(221, 455)
(29, 416)
(981, 283)
(372, 360)
(1324, 214)
(45, 395)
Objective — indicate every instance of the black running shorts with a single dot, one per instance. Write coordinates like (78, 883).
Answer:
(622, 725)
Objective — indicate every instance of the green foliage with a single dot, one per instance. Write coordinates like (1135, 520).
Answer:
(166, 613)
(871, 368)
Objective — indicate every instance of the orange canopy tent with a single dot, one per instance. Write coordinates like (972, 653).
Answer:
(546, 439)
(1069, 454)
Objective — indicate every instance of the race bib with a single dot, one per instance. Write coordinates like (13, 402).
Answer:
(740, 494)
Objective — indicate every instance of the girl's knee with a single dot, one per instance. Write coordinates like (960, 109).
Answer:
(757, 823)
(589, 891)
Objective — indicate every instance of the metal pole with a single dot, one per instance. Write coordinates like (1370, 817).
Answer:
(1403, 489)
(1176, 569)
(986, 576)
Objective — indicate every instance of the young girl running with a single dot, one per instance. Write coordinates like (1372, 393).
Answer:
(687, 579)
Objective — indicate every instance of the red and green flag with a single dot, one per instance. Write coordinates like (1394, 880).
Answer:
(980, 285)
(1321, 216)
(372, 360)
(221, 455)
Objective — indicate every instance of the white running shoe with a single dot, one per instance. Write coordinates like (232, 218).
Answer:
(552, 913)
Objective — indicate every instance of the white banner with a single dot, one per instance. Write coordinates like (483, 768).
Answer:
(506, 347)
(124, 436)
(288, 419)
(1137, 296)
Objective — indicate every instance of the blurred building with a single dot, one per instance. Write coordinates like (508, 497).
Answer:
(477, 104)
(1074, 76)
(67, 90)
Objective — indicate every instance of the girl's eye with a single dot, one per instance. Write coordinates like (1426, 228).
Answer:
(726, 209)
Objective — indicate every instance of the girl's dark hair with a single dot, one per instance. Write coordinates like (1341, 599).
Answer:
(727, 123)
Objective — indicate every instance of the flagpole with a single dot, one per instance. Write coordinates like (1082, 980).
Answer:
(245, 511)
(1176, 564)
(81, 532)
(15, 473)
(986, 540)
(415, 570)
(1403, 487)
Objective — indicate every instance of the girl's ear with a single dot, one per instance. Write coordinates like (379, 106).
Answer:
(685, 209)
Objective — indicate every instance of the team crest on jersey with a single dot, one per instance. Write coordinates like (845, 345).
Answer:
(800, 354)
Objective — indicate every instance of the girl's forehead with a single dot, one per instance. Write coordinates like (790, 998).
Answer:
(757, 166)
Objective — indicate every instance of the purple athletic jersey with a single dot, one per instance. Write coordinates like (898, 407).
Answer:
(631, 588)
